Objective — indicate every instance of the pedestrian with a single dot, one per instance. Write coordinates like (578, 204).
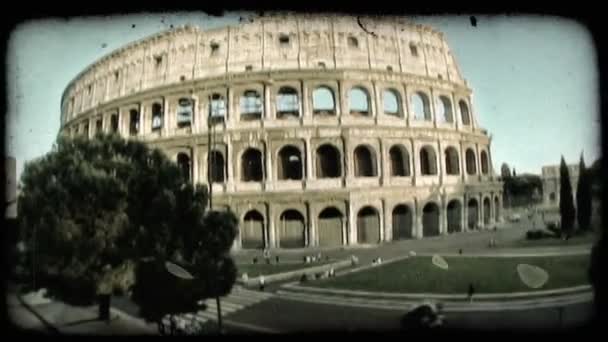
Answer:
(255, 260)
(471, 292)
(262, 283)
(267, 256)
(460, 251)
(277, 259)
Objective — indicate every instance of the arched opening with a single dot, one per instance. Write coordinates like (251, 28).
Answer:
(428, 161)
(402, 222)
(421, 106)
(287, 103)
(368, 225)
(114, 123)
(290, 163)
(390, 100)
(358, 101)
(486, 211)
(185, 110)
(292, 229)
(253, 231)
(496, 209)
(470, 159)
(98, 126)
(365, 162)
(430, 220)
(552, 197)
(323, 102)
(330, 227)
(217, 167)
(157, 116)
(183, 162)
(328, 162)
(473, 213)
(400, 161)
(133, 122)
(451, 161)
(251, 105)
(444, 109)
(217, 107)
(252, 166)
(484, 162)
(454, 216)
(464, 112)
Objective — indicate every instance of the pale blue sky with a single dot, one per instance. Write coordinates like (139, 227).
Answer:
(535, 79)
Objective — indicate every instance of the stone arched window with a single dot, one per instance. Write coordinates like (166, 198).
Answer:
(365, 162)
(183, 162)
(290, 163)
(451, 161)
(444, 109)
(323, 101)
(217, 167)
(454, 216)
(328, 162)
(287, 103)
(421, 106)
(157, 116)
(217, 107)
(329, 225)
(400, 161)
(98, 125)
(484, 162)
(253, 230)
(251, 105)
(368, 225)
(470, 161)
(430, 219)
(252, 166)
(428, 161)
(390, 100)
(185, 112)
(133, 122)
(114, 123)
(358, 101)
(464, 112)
(292, 228)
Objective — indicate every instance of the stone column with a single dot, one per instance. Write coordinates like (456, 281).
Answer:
(386, 223)
(352, 224)
(269, 179)
(432, 108)
(407, 113)
(377, 101)
(443, 215)
(441, 162)
(142, 120)
(310, 175)
(347, 173)
(416, 161)
(313, 236)
(478, 162)
(165, 128)
(341, 105)
(195, 161)
(418, 220)
(463, 163)
(465, 214)
(232, 109)
(480, 212)
(231, 176)
(382, 163)
(306, 111)
(272, 239)
(456, 112)
(268, 115)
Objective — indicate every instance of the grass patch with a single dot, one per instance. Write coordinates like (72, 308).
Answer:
(488, 274)
(254, 270)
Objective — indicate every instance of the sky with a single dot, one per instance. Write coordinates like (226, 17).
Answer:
(534, 79)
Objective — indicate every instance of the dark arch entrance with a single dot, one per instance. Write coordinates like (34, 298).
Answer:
(330, 227)
(328, 162)
(292, 229)
(473, 213)
(402, 222)
(454, 216)
(486, 211)
(430, 220)
(253, 231)
(368, 225)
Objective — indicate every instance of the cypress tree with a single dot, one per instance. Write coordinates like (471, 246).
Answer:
(566, 202)
(583, 197)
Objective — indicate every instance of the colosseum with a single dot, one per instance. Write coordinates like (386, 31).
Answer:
(316, 130)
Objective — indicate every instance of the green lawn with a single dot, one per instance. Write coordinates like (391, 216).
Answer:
(488, 274)
(254, 270)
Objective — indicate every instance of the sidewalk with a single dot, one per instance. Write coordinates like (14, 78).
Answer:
(59, 318)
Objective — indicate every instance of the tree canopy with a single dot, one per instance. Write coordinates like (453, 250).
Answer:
(92, 209)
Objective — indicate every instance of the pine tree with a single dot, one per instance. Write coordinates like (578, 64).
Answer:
(583, 197)
(566, 202)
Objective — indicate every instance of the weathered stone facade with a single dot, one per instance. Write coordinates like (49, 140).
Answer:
(317, 135)
(551, 183)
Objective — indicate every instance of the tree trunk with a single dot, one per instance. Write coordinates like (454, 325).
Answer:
(104, 307)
